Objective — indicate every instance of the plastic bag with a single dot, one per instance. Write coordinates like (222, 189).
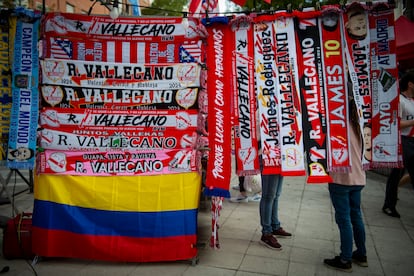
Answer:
(253, 183)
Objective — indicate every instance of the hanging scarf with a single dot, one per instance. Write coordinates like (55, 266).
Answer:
(220, 41)
(118, 99)
(265, 71)
(335, 83)
(122, 51)
(216, 206)
(385, 99)
(6, 25)
(100, 129)
(124, 76)
(313, 99)
(287, 88)
(24, 113)
(358, 61)
(121, 162)
(135, 28)
(246, 144)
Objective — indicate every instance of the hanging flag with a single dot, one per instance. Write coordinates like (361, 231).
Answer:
(124, 218)
(241, 3)
(199, 8)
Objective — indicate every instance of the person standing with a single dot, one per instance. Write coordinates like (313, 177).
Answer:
(407, 143)
(269, 204)
(345, 194)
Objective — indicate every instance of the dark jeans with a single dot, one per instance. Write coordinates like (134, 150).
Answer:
(347, 203)
(269, 204)
(391, 189)
(241, 184)
(408, 155)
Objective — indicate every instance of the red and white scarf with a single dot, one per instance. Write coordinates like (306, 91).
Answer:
(335, 83)
(120, 75)
(289, 107)
(118, 99)
(385, 96)
(358, 61)
(147, 29)
(244, 100)
(265, 75)
(122, 51)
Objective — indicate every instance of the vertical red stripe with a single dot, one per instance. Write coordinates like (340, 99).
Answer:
(118, 51)
(133, 57)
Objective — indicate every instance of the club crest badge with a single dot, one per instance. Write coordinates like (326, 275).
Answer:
(57, 162)
(186, 98)
(53, 95)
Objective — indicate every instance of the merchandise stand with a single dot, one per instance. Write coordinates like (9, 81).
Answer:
(4, 181)
(128, 219)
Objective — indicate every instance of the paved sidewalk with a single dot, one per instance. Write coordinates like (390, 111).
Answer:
(305, 210)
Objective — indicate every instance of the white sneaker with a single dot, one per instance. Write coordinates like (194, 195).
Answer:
(255, 198)
(239, 198)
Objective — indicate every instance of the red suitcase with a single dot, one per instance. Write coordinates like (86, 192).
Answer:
(17, 237)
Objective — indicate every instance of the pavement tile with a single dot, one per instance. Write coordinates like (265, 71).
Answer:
(305, 210)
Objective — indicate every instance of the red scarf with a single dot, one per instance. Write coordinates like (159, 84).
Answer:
(220, 41)
(336, 89)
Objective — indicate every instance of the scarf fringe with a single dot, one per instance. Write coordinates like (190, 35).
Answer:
(247, 173)
(216, 192)
(378, 165)
(216, 205)
(341, 169)
(19, 166)
(366, 166)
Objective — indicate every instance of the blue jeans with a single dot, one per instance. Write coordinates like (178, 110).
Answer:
(271, 189)
(347, 203)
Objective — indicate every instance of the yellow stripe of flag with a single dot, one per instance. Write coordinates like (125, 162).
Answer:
(154, 193)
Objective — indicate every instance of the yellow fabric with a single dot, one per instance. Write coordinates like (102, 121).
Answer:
(153, 193)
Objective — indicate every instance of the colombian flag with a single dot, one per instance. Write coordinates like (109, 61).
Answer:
(123, 218)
